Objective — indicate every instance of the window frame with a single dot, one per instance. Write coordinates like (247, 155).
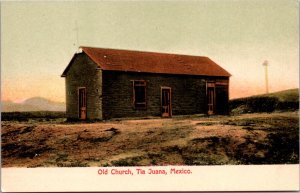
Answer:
(139, 83)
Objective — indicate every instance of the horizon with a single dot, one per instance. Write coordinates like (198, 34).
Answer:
(24, 100)
(40, 38)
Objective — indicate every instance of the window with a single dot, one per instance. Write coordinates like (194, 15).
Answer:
(139, 94)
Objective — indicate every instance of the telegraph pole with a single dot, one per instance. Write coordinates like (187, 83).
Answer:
(266, 64)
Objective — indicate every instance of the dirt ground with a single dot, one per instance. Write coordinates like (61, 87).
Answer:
(264, 138)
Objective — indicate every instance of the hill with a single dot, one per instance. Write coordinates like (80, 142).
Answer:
(285, 100)
(291, 95)
(33, 104)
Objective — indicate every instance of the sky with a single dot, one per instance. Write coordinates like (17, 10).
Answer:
(39, 38)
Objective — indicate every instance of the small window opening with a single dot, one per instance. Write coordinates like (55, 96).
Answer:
(139, 94)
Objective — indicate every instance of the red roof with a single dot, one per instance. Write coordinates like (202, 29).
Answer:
(151, 62)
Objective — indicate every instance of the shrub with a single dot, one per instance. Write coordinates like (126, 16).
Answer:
(254, 104)
(287, 105)
(25, 116)
(262, 104)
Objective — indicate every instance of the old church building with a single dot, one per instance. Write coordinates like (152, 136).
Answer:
(110, 83)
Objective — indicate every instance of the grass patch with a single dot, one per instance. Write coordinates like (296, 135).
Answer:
(73, 164)
(41, 116)
(281, 101)
(207, 123)
(85, 136)
(131, 161)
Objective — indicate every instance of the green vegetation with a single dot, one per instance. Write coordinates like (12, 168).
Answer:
(291, 95)
(33, 115)
(287, 100)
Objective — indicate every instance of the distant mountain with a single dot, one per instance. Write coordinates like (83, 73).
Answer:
(33, 104)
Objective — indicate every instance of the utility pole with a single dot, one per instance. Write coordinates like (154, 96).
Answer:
(266, 64)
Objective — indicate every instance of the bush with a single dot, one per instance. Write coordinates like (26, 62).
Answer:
(25, 116)
(287, 100)
(262, 104)
(287, 105)
(254, 104)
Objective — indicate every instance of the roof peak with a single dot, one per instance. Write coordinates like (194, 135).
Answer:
(152, 62)
(150, 52)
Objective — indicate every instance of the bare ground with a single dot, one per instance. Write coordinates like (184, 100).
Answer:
(265, 138)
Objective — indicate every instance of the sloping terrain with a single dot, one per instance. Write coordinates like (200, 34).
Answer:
(187, 140)
(287, 100)
(291, 95)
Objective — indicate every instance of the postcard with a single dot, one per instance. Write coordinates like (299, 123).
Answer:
(150, 95)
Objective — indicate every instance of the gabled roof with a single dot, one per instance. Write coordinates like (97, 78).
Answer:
(151, 62)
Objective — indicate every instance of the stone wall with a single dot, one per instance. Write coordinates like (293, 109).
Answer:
(84, 73)
(188, 94)
(110, 93)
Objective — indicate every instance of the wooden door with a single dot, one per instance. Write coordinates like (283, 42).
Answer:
(211, 100)
(82, 103)
(166, 102)
(222, 99)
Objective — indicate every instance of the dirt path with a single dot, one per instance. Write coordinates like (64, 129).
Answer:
(194, 140)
